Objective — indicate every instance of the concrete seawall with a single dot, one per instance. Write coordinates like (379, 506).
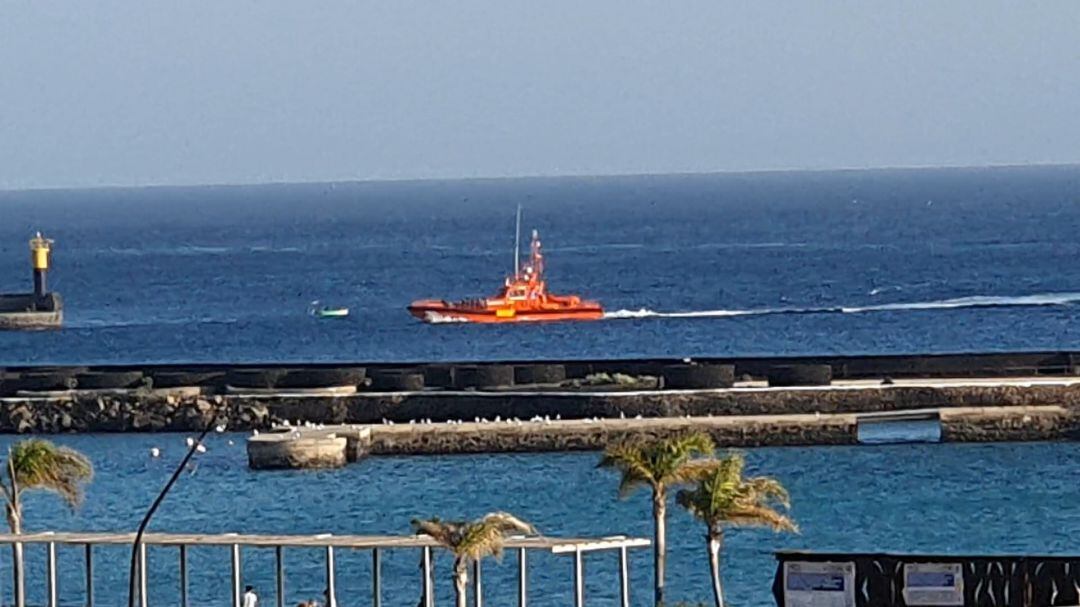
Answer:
(993, 424)
(300, 448)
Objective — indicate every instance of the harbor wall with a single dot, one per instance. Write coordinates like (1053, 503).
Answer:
(187, 411)
(1003, 364)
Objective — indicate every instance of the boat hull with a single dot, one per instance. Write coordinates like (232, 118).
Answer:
(438, 312)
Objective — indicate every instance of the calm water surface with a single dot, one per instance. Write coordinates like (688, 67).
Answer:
(1010, 498)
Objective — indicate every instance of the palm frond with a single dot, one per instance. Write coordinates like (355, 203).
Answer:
(470, 541)
(508, 523)
(723, 497)
(760, 516)
(771, 489)
(40, 464)
(627, 456)
(656, 463)
(446, 533)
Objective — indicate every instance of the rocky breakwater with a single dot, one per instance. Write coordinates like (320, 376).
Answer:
(188, 409)
(181, 411)
(1004, 424)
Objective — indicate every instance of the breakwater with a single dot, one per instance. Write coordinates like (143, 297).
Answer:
(442, 373)
(187, 409)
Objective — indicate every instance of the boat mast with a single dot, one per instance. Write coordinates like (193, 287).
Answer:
(517, 245)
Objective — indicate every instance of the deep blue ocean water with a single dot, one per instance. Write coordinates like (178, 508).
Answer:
(738, 264)
(784, 263)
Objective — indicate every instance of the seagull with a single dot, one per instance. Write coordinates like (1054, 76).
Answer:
(155, 452)
(219, 428)
(254, 432)
(190, 441)
(231, 443)
(201, 448)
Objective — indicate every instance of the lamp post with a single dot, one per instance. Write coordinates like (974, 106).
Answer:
(157, 502)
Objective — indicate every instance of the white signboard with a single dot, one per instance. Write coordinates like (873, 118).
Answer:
(819, 584)
(933, 584)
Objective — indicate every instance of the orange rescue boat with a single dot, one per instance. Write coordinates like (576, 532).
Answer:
(523, 298)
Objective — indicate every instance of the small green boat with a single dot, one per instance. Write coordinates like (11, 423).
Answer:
(327, 312)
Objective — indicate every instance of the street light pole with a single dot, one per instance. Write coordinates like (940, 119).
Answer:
(157, 502)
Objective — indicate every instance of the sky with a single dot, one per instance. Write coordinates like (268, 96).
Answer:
(145, 92)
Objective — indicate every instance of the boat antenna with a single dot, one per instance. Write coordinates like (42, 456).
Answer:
(517, 244)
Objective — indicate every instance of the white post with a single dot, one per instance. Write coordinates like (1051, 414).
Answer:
(52, 574)
(521, 577)
(235, 575)
(143, 600)
(478, 599)
(579, 580)
(331, 595)
(624, 577)
(429, 600)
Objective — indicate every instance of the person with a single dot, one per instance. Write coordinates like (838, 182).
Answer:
(250, 599)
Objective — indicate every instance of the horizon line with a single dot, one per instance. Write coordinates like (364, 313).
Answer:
(395, 180)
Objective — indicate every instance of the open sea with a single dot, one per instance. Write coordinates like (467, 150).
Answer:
(900, 261)
(846, 262)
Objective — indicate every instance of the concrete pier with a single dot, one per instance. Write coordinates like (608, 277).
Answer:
(287, 447)
(962, 424)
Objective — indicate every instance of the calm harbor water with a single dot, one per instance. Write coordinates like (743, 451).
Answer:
(1006, 498)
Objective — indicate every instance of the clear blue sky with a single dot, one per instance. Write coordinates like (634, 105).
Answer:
(236, 91)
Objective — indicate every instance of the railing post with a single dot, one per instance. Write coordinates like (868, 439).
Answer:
(376, 579)
(52, 574)
(89, 549)
(624, 577)
(279, 559)
(235, 575)
(331, 600)
(142, 576)
(522, 582)
(478, 588)
(183, 576)
(429, 601)
(579, 580)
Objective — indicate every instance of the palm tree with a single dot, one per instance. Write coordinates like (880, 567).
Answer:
(39, 464)
(723, 497)
(658, 464)
(471, 541)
